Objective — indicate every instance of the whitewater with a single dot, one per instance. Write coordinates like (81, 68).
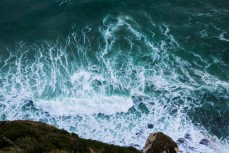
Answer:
(122, 77)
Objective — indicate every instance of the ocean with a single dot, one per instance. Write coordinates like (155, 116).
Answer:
(117, 70)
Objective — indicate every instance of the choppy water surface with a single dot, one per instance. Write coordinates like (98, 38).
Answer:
(117, 70)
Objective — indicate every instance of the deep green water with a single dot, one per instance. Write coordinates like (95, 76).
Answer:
(99, 68)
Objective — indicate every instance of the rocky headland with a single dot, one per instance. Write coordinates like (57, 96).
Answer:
(36, 137)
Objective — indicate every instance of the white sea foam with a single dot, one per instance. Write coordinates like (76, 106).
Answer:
(61, 2)
(115, 95)
(203, 33)
(86, 106)
(221, 37)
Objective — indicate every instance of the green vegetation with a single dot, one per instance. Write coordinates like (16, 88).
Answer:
(36, 137)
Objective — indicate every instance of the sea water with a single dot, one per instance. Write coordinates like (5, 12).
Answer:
(117, 70)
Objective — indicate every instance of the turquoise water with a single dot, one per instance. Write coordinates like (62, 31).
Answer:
(117, 70)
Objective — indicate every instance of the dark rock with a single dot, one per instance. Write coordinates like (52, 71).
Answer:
(140, 132)
(159, 142)
(135, 145)
(204, 142)
(192, 148)
(180, 140)
(150, 126)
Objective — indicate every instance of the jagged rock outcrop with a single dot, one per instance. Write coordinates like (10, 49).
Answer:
(160, 143)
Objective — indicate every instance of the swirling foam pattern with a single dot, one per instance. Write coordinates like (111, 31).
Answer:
(119, 79)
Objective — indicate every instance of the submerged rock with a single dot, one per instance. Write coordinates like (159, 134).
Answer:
(180, 140)
(160, 143)
(205, 142)
(150, 126)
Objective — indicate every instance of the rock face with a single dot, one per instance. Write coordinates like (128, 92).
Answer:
(160, 143)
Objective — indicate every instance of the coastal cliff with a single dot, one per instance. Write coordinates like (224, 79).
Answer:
(37, 137)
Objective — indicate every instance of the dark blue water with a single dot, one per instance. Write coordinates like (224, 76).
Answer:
(109, 70)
